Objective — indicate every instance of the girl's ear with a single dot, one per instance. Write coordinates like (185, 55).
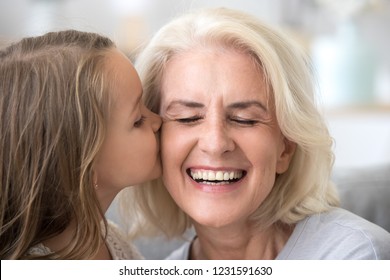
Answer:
(286, 155)
(95, 179)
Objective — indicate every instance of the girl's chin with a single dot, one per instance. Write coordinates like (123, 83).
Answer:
(156, 172)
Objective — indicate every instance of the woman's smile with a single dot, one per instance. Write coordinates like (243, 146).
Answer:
(216, 179)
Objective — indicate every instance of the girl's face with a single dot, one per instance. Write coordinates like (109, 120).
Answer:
(130, 152)
(220, 142)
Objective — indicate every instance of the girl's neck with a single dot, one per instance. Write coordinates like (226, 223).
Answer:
(240, 243)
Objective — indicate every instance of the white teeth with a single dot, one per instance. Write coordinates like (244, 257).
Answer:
(219, 176)
(211, 176)
(215, 175)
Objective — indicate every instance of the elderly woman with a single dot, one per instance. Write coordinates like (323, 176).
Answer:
(246, 154)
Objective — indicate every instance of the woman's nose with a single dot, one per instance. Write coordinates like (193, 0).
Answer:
(214, 138)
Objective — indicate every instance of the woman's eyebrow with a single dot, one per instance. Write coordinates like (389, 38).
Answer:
(184, 103)
(247, 104)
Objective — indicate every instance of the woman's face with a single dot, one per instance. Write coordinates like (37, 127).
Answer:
(130, 151)
(221, 143)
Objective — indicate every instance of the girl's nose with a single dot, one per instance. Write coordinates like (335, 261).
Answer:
(155, 121)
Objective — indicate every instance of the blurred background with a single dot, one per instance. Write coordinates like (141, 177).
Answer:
(348, 40)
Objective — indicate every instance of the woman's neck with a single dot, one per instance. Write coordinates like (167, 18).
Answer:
(240, 243)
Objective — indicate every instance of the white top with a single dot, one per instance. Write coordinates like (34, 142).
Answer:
(119, 248)
(334, 235)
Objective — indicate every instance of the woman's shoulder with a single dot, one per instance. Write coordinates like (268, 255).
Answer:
(341, 220)
(337, 234)
(181, 253)
(119, 246)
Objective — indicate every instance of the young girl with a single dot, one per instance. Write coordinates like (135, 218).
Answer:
(74, 133)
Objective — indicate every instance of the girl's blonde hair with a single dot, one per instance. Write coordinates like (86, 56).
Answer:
(53, 106)
(303, 190)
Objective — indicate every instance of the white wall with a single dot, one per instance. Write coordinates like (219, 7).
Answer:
(362, 138)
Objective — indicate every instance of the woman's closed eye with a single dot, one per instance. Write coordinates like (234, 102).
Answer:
(189, 120)
(237, 120)
(243, 121)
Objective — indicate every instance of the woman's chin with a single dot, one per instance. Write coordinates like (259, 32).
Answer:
(212, 221)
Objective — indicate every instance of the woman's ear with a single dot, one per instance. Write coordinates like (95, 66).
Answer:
(285, 156)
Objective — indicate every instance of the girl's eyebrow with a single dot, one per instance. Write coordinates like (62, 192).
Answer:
(247, 104)
(137, 101)
(139, 98)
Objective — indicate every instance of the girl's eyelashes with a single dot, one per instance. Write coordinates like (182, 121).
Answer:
(140, 121)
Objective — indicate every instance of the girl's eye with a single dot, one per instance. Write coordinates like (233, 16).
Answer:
(189, 120)
(140, 122)
(246, 122)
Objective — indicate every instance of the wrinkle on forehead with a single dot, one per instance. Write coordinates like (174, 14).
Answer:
(218, 51)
